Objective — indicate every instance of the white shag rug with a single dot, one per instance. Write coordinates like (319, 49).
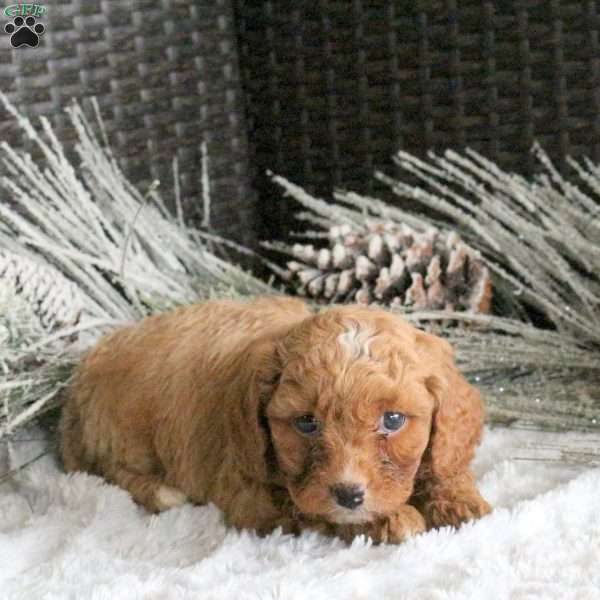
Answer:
(77, 537)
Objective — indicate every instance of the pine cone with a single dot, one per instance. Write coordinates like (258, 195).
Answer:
(392, 264)
(55, 300)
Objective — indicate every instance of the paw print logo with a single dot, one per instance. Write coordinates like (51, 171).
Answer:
(24, 32)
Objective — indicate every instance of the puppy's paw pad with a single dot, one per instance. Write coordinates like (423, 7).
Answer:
(169, 497)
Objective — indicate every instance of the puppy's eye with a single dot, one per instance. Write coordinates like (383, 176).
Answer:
(306, 424)
(391, 421)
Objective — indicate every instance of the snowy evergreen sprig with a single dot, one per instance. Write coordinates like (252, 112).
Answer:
(82, 251)
(31, 377)
(541, 239)
(541, 236)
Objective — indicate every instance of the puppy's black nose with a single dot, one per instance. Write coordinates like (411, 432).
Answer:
(348, 496)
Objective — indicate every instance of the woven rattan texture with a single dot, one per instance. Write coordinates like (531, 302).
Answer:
(334, 88)
(166, 76)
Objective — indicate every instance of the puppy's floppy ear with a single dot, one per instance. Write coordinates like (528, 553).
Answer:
(458, 413)
(247, 430)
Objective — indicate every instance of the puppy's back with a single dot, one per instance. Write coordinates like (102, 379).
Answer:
(140, 394)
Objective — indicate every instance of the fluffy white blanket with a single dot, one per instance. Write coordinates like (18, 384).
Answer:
(77, 537)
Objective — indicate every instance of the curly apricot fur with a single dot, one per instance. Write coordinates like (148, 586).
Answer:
(200, 403)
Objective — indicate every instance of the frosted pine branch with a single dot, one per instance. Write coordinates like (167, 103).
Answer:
(541, 240)
(82, 250)
(542, 237)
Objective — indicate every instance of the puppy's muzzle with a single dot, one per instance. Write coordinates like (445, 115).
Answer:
(348, 496)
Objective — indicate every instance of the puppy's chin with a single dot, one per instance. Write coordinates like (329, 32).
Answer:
(349, 517)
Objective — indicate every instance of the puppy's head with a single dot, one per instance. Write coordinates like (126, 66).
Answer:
(351, 415)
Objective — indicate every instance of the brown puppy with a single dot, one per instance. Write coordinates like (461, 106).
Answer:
(348, 421)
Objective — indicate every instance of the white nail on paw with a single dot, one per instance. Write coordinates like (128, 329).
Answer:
(169, 497)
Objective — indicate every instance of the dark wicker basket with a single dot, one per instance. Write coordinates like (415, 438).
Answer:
(166, 77)
(334, 88)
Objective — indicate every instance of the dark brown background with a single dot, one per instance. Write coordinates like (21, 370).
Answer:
(334, 88)
(323, 92)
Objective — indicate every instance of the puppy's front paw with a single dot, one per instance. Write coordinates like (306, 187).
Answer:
(442, 512)
(396, 528)
(406, 522)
